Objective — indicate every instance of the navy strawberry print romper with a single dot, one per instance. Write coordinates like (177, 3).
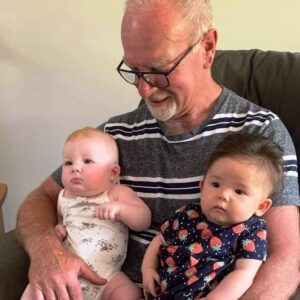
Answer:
(199, 254)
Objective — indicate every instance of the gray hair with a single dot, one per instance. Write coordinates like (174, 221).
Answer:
(197, 15)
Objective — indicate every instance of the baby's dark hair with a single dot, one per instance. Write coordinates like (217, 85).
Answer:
(262, 151)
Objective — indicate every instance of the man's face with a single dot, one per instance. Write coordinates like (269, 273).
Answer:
(166, 103)
(152, 45)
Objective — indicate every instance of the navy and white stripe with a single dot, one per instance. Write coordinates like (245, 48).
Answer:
(184, 188)
(188, 188)
(221, 123)
(144, 237)
(171, 188)
(290, 165)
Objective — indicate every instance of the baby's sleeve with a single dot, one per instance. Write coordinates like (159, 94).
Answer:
(253, 243)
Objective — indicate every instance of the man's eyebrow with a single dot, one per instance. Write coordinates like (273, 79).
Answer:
(164, 62)
(160, 64)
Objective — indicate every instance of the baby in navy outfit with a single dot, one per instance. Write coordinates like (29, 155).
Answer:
(214, 248)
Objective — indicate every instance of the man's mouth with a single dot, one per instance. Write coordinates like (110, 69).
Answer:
(158, 101)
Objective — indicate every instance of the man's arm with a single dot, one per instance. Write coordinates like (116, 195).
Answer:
(278, 277)
(53, 270)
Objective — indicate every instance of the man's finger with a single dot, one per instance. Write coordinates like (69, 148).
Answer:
(91, 276)
(32, 293)
(75, 291)
(49, 294)
(63, 293)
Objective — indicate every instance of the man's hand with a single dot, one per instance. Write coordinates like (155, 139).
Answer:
(54, 274)
(53, 270)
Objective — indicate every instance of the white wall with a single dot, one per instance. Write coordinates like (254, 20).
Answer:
(57, 73)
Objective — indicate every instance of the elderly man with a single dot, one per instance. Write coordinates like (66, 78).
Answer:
(169, 47)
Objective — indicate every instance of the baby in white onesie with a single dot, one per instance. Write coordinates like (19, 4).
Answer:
(94, 213)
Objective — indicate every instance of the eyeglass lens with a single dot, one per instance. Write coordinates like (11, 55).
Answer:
(157, 80)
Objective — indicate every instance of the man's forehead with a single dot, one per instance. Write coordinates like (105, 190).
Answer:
(152, 41)
(155, 55)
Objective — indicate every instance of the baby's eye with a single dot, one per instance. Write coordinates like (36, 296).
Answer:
(215, 184)
(88, 161)
(68, 163)
(239, 192)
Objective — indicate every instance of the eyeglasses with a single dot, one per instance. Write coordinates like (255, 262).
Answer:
(155, 79)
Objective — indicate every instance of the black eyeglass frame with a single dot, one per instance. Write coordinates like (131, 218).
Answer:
(166, 73)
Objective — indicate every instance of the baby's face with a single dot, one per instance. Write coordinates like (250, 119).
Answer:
(87, 167)
(233, 191)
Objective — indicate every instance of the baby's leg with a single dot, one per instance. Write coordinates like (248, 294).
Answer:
(120, 287)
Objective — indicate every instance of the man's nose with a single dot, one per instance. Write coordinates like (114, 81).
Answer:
(145, 90)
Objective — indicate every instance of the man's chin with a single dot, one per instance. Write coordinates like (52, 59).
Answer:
(161, 114)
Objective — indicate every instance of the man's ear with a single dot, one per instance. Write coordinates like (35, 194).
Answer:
(209, 44)
(115, 172)
(263, 207)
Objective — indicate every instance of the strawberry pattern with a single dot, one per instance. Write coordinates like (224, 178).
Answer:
(199, 253)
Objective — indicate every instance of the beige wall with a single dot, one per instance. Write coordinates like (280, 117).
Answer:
(266, 25)
(57, 73)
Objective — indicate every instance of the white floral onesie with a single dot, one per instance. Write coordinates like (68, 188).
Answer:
(101, 243)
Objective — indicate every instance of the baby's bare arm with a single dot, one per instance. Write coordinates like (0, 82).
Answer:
(235, 284)
(150, 265)
(125, 206)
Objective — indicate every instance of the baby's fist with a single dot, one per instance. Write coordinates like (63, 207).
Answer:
(108, 211)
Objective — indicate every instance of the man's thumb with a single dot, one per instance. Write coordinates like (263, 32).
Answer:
(87, 273)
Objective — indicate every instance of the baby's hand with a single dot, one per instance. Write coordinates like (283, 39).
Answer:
(61, 231)
(151, 281)
(108, 211)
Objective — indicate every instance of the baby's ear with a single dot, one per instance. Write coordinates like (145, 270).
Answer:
(201, 183)
(115, 172)
(263, 207)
